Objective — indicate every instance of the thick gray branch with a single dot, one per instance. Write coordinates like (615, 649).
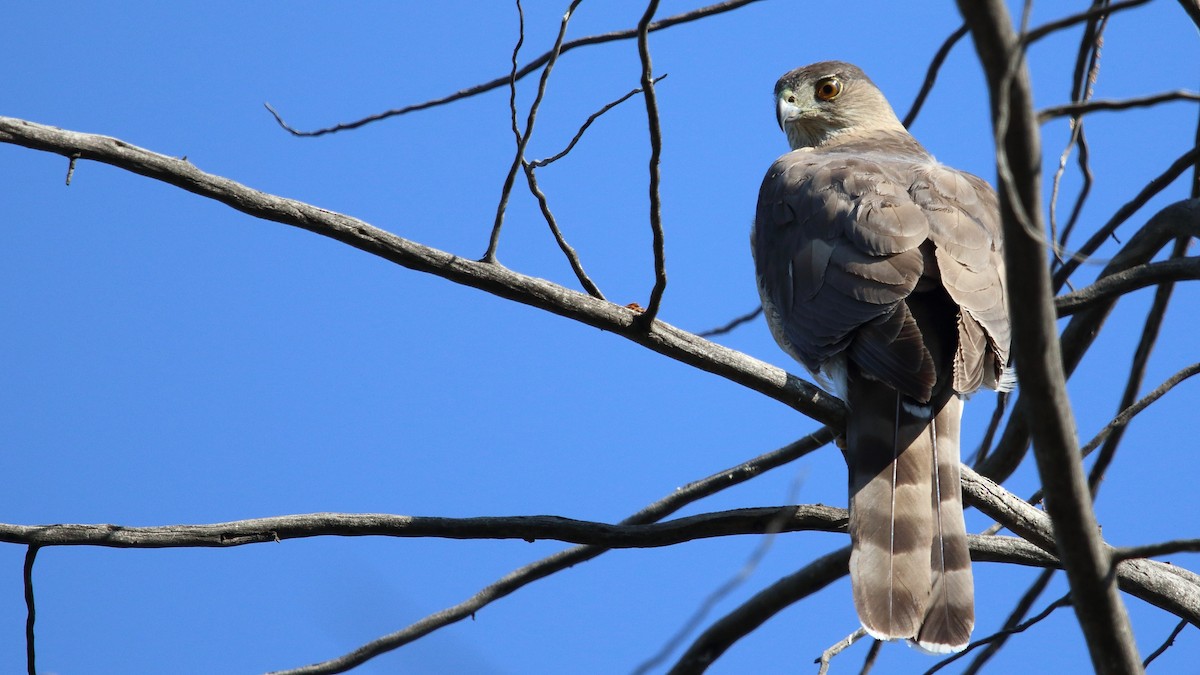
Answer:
(493, 278)
(1168, 587)
(1119, 283)
(530, 528)
(1096, 600)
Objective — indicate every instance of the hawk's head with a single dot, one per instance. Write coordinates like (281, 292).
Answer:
(817, 102)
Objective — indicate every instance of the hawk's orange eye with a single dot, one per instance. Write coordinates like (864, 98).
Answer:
(828, 88)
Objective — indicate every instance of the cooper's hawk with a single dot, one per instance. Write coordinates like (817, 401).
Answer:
(881, 271)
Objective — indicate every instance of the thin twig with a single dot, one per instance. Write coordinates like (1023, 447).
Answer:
(721, 330)
(1166, 643)
(1195, 191)
(1137, 371)
(1068, 21)
(932, 72)
(837, 648)
(568, 250)
(538, 163)
(646, 319)
(544, 204)
(1126, 415)
(985, 443)
(872, 654)
(1014, 619)
(1155, 550)
(1064, 601)
(1084, 107)
(1152, 188)
(564, 559)
(30, 611)
(723, 591)
(1126, 281)
(766, 603)
(1087, 69)
(1129, 413)
(71, 167)
(1085, 189)
(522, 138)
(683, 17)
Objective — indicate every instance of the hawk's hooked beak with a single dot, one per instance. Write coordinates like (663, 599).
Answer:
(786, 113)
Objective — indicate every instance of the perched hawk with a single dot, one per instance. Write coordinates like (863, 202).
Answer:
(881, 271)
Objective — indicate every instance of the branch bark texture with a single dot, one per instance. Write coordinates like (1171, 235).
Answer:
(1087, 561)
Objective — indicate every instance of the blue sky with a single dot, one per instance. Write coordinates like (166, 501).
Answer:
(169, 360)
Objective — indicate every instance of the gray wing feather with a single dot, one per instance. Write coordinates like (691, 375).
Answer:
(838, 248)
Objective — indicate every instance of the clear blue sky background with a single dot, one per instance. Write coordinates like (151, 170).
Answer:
(165, 359)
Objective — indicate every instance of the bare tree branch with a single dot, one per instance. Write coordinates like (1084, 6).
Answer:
(1064, 601)
(683, 17)
(837, 648)
(815, 576)
(1181, 219)
(522, 138)
(1014, 619)
(721, 330)
(1097, 603)
(1168, 587)
(1084, 107)
(1166, 643)
(529, 528)
(539, 163)
(656, 229)
(1155, 550)
(564, 559)
(754, 612)
(1068, 21)
(1156, 185)
(722, 591)
(495, 279)
(1112, 286)
(30, 611)
(1192, 7)
(1137, 373)
(931, 74)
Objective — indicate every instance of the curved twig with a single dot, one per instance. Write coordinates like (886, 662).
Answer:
(721, 330)
(1170, 638)
(1064, 601)
(1112, 286)
(1014, 619)
(522, 138)
(1152, 188)
(539, 163)
(658, 245)
(683, 17)
(1068, 21)
(1082, 108)
(931, 74)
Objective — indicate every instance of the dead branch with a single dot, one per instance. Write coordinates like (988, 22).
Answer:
(495, 279)
(681, 18)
